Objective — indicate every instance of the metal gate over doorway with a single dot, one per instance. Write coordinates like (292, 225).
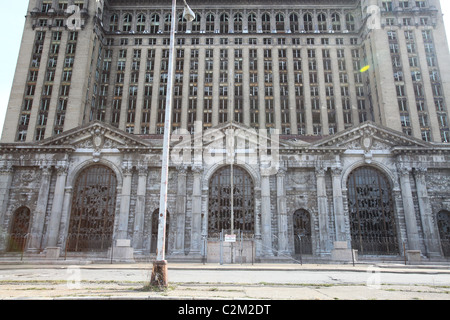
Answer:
(93, 206)
(238, 248)
(231, 212)
(372, 220)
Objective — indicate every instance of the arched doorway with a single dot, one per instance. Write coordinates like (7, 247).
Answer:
(372, 221)
(155, 227)
(19, 230)
(302, 232)
(93, 207)
(443, 221)
(219, 217)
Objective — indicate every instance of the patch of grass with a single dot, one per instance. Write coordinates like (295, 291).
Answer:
(152, 288)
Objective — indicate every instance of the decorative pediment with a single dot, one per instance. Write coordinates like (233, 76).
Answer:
(243, 134)
(370, 136)
(97, 136)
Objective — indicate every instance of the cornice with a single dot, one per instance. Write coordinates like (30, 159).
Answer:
(21, 148)
(236, 4)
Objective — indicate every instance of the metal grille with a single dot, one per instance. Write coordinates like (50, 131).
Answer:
(302, 232)
(93, 206)
(220, 202)
(372, 221)
(19, 230)
(443, 219)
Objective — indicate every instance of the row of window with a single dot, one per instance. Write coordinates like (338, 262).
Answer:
(260, 89)
(50, 82)
(233, 41)
(61, 5)
(417, 84)
(390, 5)
(226, 23)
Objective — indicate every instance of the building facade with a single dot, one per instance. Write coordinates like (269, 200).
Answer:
(306, 128)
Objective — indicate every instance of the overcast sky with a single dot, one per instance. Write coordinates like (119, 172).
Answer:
(12, 18)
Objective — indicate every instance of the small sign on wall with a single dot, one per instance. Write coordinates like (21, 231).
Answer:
(230, 238)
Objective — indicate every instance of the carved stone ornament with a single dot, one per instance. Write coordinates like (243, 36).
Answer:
(27, 176)
(97, 141)
(367, 140)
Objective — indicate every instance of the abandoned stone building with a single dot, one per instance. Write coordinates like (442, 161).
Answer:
(305, 128)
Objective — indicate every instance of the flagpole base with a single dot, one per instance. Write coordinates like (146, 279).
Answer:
(159, 274)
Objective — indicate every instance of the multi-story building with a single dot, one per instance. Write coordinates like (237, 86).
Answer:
(337, 113)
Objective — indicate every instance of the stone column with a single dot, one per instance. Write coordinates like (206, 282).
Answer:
(180, 212)
(257, 240)
(57, 207)
(282, 214)
(122, 231)
(6, 175)
(196, 222)
(430, 235)
(205, 206)
(322, 208)
(266, 217)
(341, 250)
(138, 234)
(37, 227)
(408, 208)
(65, 216)
(338, 204)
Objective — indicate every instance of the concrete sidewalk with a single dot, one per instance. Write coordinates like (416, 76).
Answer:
(67, 280)
(443, 268)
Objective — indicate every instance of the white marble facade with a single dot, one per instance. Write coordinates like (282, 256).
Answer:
(39, 179)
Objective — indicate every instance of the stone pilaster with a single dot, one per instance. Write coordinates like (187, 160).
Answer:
(180, 214)
(57, 207)
(408, 207)
(322, 206)
(430, 234)
(196, 222)
(266, 217)
(282, 213)
(138, 234)
(6, 175)
(338, 204)
(258, 241)
(38, 219)
(122, 231)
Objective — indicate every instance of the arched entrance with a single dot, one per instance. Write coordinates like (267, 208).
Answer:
(155, 226)
(19, 230)
(443, 221)
(221, 214)
(220, 202)
(302, 232)
(372, 221)
(93, 207)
